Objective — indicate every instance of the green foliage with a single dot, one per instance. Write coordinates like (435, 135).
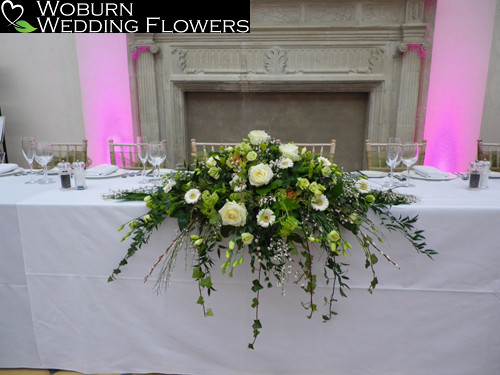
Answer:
(277, 206)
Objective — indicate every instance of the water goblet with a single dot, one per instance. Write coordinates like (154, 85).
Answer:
(142, 153)
(409, 157)
(28, 146)
(393, 158)
(44, 153)
(157, 155)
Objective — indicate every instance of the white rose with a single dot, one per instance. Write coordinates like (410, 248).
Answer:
(260, 174)
(257, 137)
(290, 151)
(233, 214)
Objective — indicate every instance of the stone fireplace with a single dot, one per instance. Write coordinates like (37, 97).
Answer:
(371, 54)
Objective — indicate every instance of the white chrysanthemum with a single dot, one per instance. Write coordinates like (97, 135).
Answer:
(324, 162)
(284, 163)
(192, 196)
(257, 137)
(363, 186)
(265, 217)
(320, 203)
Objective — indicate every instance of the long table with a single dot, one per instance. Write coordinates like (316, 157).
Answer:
(57, 249)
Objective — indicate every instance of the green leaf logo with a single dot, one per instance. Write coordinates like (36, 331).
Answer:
(24, 27)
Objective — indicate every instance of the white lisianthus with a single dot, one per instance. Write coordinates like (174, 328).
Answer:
(233, 214)
(324, 162)
(284, 163)
(168, 185)
(257, 137)
(192, 196)
(211, 162)
(247, 238)
(260, 174)
(290, 151)
(320, 203)
(265, 217)
(363, 186)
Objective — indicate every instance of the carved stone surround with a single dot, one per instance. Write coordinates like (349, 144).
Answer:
(374, 46)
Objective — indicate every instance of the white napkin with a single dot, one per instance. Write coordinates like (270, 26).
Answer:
(7, 167)
(429, 172)
(101, 170)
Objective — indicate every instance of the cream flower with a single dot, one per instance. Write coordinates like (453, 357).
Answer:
(192, 196)
(233, 214)
(251, 156)
(265, 217)
(260, 174)
(257, 137)
(290, 151)
(320, 203)
(247, 238)
(363, 186)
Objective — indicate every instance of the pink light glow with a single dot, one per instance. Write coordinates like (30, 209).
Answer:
(105, 88)
(459, 68)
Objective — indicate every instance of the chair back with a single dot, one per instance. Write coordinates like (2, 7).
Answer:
(125, 155)
(200, 150)
(375, 155)
(322, 149)
(70, 152)
(489, 151)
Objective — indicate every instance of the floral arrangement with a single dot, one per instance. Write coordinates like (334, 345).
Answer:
(278, 207)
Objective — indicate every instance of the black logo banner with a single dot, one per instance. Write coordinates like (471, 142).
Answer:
(56, 16)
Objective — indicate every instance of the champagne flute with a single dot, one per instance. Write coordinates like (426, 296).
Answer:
(409, 157)
(142, 153)
(28, 145)
(157, 155)
(43, 155)
(393, 157)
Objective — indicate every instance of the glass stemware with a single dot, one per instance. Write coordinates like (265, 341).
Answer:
(157, 155)
(142, 153)
(393, 158)
(43, 155)
(409, 157)
(28, 145)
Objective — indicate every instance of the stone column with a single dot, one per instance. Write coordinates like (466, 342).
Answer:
(147, 90)
(408, 91)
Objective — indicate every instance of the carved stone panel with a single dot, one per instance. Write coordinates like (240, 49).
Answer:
(294, 46)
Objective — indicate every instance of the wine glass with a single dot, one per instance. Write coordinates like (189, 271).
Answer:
(28, 145)
(142, 153)
(409, 157)
(157, 155)
(393, 157)
(44, 153)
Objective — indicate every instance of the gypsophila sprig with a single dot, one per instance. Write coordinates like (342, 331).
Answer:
(276, 207)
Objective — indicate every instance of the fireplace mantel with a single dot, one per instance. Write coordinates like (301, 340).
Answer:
(374, 46)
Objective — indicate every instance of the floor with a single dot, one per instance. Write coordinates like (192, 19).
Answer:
(49, 372)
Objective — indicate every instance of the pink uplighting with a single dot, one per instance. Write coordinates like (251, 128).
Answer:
(104, 81)
(459, 68)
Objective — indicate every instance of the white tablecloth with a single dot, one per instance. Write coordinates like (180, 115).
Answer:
(58, 248)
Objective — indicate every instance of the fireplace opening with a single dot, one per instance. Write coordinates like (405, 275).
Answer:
(290, 117)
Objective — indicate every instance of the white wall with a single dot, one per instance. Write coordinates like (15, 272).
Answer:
(40, 89)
